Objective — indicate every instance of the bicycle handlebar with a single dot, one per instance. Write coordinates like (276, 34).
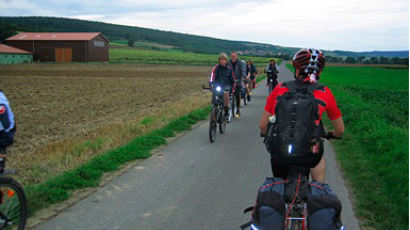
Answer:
(331, 136)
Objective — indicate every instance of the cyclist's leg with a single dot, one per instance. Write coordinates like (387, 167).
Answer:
(226, 102)
(238, 100)
(226, 98)
(318, 172)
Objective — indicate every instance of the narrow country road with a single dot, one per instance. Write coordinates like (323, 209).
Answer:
(192, 184)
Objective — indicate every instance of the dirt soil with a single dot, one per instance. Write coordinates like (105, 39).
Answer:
(67, 113)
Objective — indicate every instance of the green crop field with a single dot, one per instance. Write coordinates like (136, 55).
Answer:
(171, 56)
(374, 152)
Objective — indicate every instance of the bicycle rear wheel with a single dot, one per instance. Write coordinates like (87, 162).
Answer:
(13, 205)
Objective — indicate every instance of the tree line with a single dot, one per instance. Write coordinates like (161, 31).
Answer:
(371, 60)
(354, 60)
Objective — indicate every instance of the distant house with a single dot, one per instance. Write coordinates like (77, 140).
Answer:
(12, 55)
(63, 47)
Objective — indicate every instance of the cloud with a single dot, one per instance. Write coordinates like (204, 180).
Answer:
(344, 25)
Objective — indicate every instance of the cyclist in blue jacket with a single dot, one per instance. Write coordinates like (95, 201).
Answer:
(7, 127)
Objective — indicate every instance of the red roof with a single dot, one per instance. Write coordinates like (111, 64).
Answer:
(57, 36)
(12, 50)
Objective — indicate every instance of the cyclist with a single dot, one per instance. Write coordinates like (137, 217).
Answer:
(251, 73)
(304, 62)
(222, 75)
(239, 72)
(7, 127)
(273, 71)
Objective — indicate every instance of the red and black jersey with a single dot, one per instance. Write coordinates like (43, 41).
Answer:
(327, 102)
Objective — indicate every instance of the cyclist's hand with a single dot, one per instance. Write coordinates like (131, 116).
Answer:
(330, 136)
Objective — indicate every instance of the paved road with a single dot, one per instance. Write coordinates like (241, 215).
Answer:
(192, 184)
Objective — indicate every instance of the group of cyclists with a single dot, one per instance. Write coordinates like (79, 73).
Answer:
(234, 75)
(238, 78)
(292, 126)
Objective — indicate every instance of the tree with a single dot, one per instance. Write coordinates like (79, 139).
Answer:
(361, 59)
(374, 60)
(384, 60)
(395, 60)
(350, 60)
(131, 42)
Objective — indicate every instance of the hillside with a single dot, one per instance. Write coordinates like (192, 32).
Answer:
(186, 42)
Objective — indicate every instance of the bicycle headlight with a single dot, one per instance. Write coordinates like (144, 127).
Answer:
(218, 89)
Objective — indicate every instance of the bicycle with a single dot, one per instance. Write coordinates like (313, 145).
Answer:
(217, 117)
(296, 188)
(237, 96)
(248, 89)
(13, 202)
(272, 81)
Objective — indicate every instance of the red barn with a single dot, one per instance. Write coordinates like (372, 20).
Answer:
(63, 47)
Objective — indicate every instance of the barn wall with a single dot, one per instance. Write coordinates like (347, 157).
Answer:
(6, 58)
(45, 50)
(97, 49)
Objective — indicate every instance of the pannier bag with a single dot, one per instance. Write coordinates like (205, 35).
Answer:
(269, 207)
(294, 133)
(324, 208)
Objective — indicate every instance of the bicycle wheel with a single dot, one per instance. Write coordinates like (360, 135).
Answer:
(222, 122)
(233, 106)
(212, 125)
(296, 225)
(13, 205)
(245, 99)
(270, 88)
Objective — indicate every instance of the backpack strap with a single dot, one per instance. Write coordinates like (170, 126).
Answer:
(315, 86)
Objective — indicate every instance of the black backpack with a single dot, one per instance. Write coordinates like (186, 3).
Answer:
(294, 133)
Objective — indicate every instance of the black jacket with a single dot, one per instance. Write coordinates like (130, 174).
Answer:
(222, 76)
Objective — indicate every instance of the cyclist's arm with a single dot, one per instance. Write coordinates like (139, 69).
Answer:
(212, 76)
(264, 122)
(244, 75)
(269, 110)
(338, 126)
(334, 114)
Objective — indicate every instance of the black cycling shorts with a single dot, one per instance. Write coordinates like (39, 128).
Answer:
(280, 169)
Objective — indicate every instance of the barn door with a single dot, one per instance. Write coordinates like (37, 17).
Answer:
(67, 54)
(63, 54)
(59, 54)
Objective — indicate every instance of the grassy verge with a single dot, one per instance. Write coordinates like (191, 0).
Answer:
(374, 152)
(260, 78)
(59, 188)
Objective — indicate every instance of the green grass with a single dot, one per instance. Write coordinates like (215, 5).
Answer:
(170, 56)
(260, 78)
(60, 187)
(147, 120)
(374, 152)
(92, 145)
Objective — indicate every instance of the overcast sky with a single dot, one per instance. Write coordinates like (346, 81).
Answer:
(356, 25)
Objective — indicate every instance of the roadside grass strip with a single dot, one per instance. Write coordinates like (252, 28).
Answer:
(260, 78)
(374, 149)
(59, 188)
